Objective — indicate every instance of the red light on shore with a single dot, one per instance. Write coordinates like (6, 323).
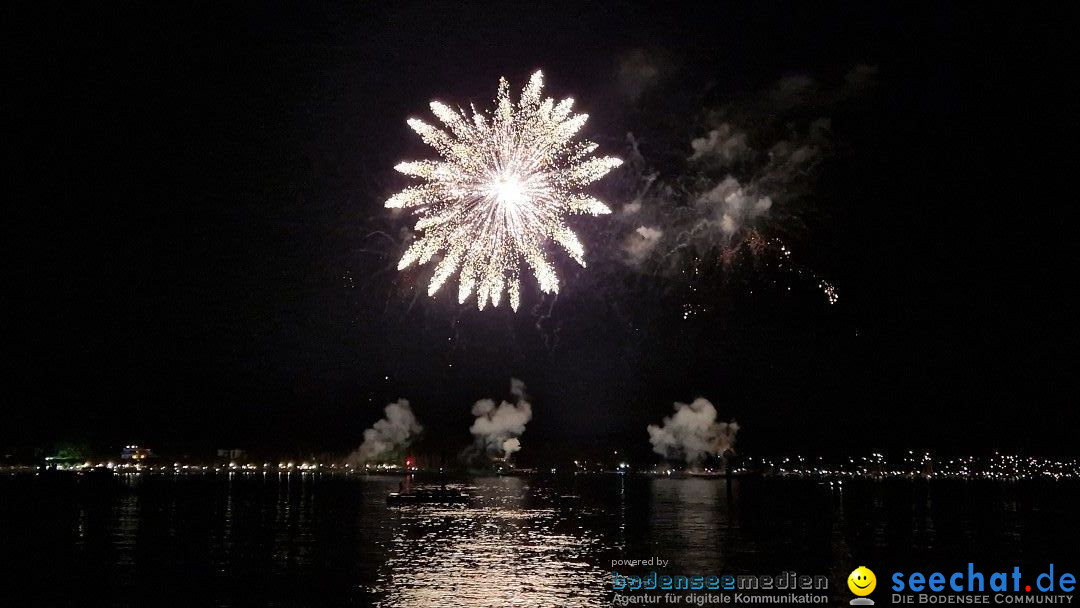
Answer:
(408, 461)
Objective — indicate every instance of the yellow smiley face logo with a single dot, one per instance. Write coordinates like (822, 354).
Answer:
(862, 581)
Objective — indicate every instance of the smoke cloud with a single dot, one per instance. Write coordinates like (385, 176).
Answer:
(639, 71)
(747, 172)
(692, 433)
(388, 437)
(511, 445)
(731, 203)
(640, 243)
(498, 428)
(722, 145)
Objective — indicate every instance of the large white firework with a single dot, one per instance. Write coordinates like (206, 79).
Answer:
(503, 191)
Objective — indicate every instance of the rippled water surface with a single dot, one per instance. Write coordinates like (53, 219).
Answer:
(303, 540)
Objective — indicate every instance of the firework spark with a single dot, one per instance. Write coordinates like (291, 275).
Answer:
(506, 185)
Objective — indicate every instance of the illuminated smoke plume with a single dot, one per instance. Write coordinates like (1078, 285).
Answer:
(388, 437)
(497, 428)
(692, 433)
(510, 446)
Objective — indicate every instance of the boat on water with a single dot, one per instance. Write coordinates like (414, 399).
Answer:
(428, 496)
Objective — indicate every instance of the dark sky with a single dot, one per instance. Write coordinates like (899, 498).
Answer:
(191, 258)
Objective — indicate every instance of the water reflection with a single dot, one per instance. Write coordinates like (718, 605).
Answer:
(695, 513)
(499, 552)
(305, 540)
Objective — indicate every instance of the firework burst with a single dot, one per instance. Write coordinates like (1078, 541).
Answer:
(506, 184)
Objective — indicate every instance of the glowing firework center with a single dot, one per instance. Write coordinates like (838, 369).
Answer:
(504, 189)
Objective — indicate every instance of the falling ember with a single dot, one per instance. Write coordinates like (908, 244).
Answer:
(504, 189)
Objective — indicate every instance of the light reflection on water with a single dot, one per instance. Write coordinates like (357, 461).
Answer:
(697, 515)
(499, 552)
(301, 540)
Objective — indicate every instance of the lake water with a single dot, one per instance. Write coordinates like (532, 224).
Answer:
(303, 540)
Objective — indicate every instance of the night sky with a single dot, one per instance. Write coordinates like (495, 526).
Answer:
(198, 256)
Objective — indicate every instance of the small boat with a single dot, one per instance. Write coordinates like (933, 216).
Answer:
(428, 496)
